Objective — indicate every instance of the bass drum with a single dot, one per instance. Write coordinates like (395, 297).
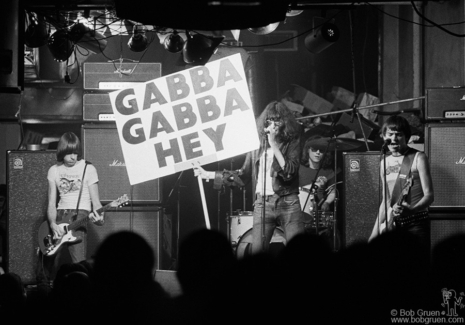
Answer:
(240, 222)
(244, 247)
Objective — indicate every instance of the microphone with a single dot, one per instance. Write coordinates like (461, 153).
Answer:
(387, 142)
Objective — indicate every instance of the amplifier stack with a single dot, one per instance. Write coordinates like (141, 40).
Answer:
(444, 146)
(102, 148)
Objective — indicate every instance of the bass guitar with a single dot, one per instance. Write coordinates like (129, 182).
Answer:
(388, 223)
(50, 245)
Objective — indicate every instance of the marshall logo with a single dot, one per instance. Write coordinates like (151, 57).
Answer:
(117, 163)
(461, 161)
(122, 71)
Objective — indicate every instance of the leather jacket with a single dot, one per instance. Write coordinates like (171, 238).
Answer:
(285, 180)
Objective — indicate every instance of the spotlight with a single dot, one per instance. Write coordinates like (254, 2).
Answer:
(321, 38)
(138, 42)
(199, 48)
(60, 45)
(87, 38)
(174, 42)
(265, 29)
(36, 33)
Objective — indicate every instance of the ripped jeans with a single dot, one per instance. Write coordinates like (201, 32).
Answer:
(284, 212)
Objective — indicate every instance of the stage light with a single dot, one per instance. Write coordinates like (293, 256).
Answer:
(199, 48)
(60, 45)
(321, 38)
(174, 42)
(36, 33)
(138, 42)
(265, 29)
(87, 38)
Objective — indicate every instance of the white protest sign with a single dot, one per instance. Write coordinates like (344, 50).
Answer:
(200, 115)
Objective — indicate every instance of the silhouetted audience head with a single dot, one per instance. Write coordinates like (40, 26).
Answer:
(12, 291)
(123, 280)
(448, 262)
(124, 257)
(205, 260)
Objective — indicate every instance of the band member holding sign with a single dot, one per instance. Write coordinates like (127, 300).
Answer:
(276, 183)
(409, 187)
(75, 182)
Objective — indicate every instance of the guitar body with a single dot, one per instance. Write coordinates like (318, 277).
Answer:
(49, 245)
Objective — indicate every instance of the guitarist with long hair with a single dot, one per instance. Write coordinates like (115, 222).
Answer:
(409, 185)
(74, 182)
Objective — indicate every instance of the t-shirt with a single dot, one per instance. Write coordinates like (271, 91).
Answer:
(269, 180)
(324, 180)
(68, 181)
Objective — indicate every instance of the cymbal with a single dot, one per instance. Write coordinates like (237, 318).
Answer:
(342, 144)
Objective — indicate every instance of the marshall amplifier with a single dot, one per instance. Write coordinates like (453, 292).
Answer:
(445, 150)
(445, 104)
(113, 76)
(97, 108)
(103, 78)
(102, 148)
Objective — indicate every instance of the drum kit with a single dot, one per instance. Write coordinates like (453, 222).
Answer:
(319, 222)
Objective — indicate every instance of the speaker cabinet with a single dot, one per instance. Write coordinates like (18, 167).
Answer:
(444, 147)
(27, 199)
(444, 225)
(361, 196)
(445, 104)
(145, 221)
(103, 149)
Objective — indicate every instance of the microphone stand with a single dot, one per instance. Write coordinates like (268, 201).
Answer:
(178, 211)
(385, 188)
(264, 192)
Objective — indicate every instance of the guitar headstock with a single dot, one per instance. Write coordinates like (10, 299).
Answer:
(123, 200)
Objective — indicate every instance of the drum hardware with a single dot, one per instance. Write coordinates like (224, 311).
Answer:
(239, 222)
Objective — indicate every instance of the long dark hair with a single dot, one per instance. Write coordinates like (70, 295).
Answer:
(69, 143)
(327, 161)
(277, 111)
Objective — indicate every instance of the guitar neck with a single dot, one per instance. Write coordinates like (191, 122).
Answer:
(81, 222)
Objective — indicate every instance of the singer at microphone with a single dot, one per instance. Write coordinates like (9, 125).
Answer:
(387, 142)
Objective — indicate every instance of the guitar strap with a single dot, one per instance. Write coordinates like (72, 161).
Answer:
(404, 174)
(82, 185)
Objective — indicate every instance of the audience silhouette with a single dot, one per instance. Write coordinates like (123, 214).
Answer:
(123, 281)
(306, 282)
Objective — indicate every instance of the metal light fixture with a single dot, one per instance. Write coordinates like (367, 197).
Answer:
(36, 33)
(138, 42)
(265, 29)
(199, 48)
(322, 37)
(60, 45)
(174, 43)
(87, 38)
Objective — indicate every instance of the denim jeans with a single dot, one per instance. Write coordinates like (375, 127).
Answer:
(284, 212)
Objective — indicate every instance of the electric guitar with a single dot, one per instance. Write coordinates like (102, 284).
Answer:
(50, 245)
(390, 219)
